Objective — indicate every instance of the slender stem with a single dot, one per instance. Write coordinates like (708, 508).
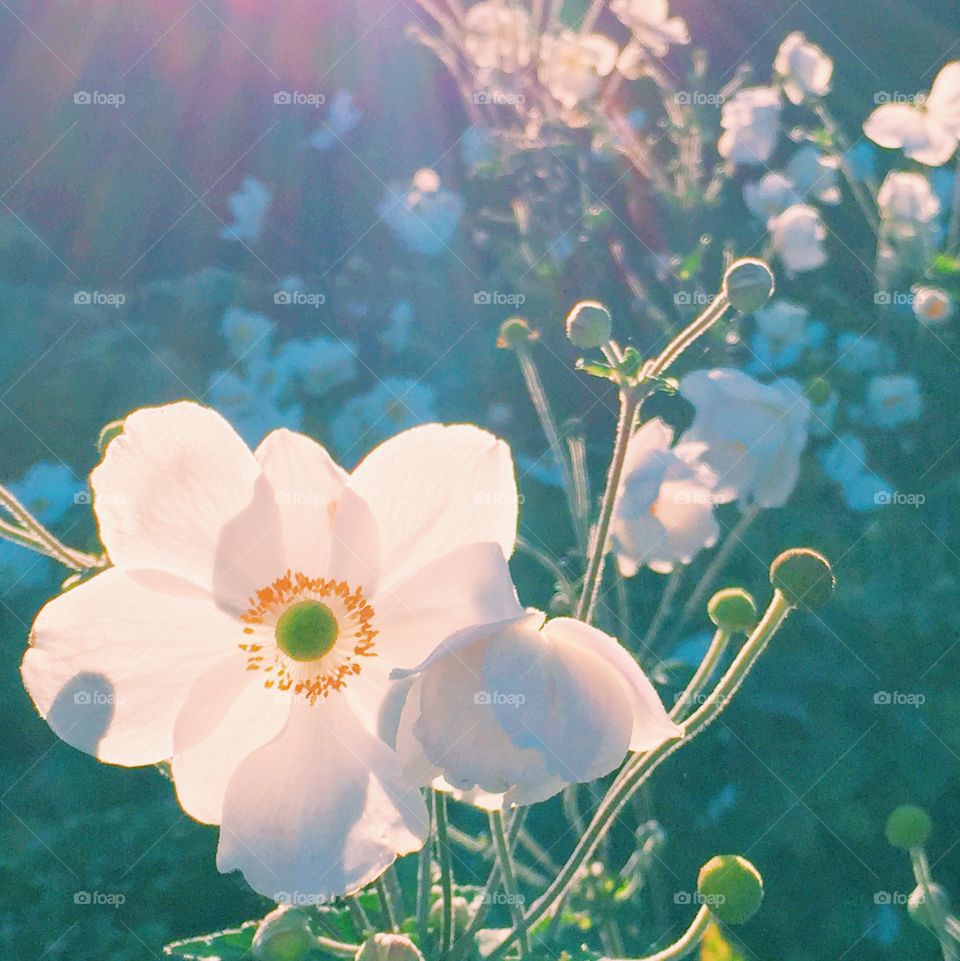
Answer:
(514, 898)
(359, 917)
(590, 18)
(953, 234)
(687, 942)
(386, 906)
(446, 869)
(714, 569)
(424, 863)
(640, 766)
(541, 403)
(663, 608)
(953, 927)
(598, 544)
(936, 912)
(340, 949)
(548, 563)
(395, 891)
(714, 311)
(702, 675)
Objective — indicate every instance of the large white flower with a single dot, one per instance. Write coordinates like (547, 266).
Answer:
(511, 712)
(651, 24)
(907, 201)
(573, 64)
(255, 608)
(928, 130)
(751, 125)
(498, 36)
(754, 433)
(248, 206)
(664, 509)
(797, 236)
(803, 67)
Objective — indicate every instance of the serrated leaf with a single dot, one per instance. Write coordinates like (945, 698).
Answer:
(232, 944)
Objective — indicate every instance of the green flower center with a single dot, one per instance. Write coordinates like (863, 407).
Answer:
(306, 631)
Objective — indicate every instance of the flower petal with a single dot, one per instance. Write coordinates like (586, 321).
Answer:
(306, 483)
(434, 488)
(319, 811)
(894, 124)
(355, 544)
(651, 723)
(166, 487)
(943, 102)
(111, 661)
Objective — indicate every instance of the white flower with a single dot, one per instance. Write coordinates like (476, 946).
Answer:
(342, 117)
(803, 67)
(572, 64)
(783, 333)
(395, 335)
(254, 401)
(845, 463)
(498, 36)
(815, 175)
(927, 131)
(256, 605)
(394, 404)
(247, 334)
(423, 215)
(770, 195)
(906, 200)
(664, 508)
(318, 365)
(513, 711)
(859, 354)
(797, 236)
(932, 306)
(248, 207)
(651, 25)
(893, 400)
(751, 125)
(754, 433)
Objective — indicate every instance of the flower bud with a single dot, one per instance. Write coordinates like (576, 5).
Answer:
(817, 391)
(283, 935)
(589, 324)
(748, 284)
(515, 332)
(732, 888)
(920, 911)
(804, 577)
(733, 610)
(908, 827)
(388, 947)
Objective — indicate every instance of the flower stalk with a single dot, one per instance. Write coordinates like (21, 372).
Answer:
(446, 870)
(686, 944)
(505, 861)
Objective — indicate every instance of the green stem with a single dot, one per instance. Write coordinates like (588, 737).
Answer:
(386, 906)
(598, 543)
(639, 767)
(548, 423)
(687, 942)
(936, 911)
(339, 949)
(424, 863)
(693, 331)
(701, 676)
(953, 234)
(663, 608)
(359, 917)
(548, 563)
(514, 898)
(446, 869)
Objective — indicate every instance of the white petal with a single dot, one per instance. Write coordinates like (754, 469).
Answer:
(943, 103)
(167, 486)
(111, 661)
(320, 811)
(894, 124)
(202, 767)
(470, 585)
(434, 488)
(651, 723)
(355, 544)
(306, 483)
(937, 146)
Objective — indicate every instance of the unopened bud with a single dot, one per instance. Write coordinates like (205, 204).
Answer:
(733, 610)
(388, 947)
(283, 935)
(748, 284)
(804, 577)
(732, 888)
(589, 325)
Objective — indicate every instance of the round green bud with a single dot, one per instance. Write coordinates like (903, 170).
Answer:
(908, 827)
(818, 391)
(515, 332)
(589, 325)
(733, 610)
(388, 947)
(107, 433)
(731, 887)
(306, 631)
(920, 910)
(748, 284)
(283, 935)
(804, 577)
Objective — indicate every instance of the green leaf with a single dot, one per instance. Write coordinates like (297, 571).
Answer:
(596, 369)
(232, 944)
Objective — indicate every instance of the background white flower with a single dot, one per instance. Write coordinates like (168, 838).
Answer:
(424, 214)
(751, 125)
(932, 306)
(651, 24)
(498, 36)
(893, 400)
(798, 235)
(803, 67)
(248, 208)
(572, 64)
